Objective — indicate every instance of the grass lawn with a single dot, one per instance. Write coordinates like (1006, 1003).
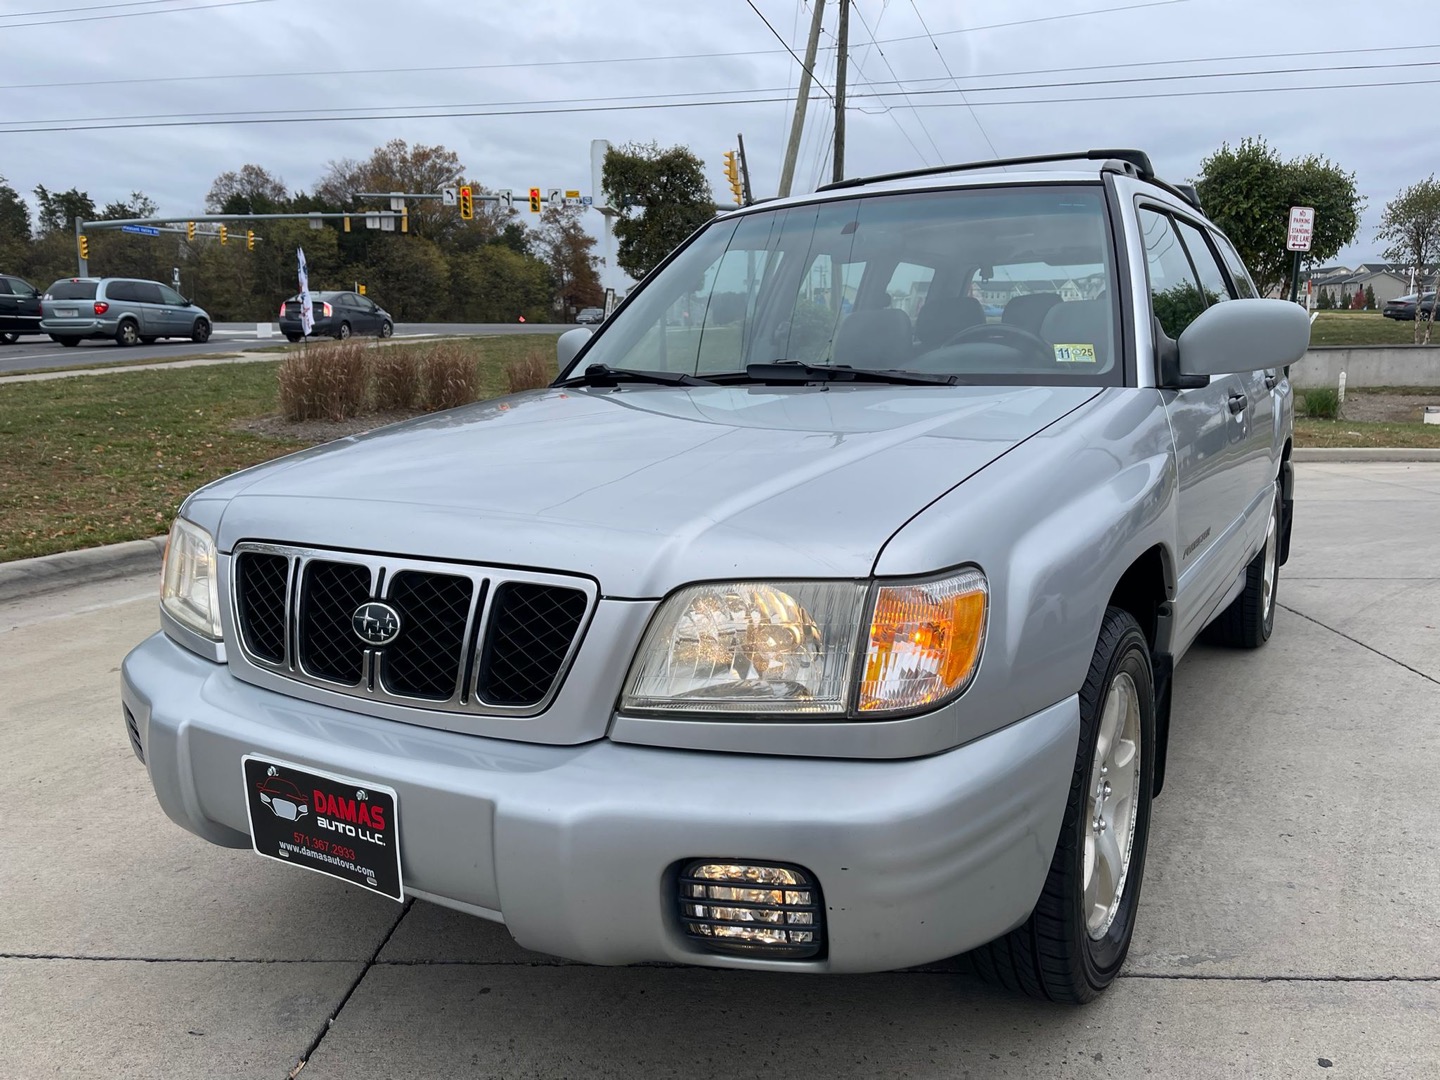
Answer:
(1351, 433)
(97, 459)
(1361, 328)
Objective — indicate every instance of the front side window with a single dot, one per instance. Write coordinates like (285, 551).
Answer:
(1175, 295)
(170, 296)
(1212, 278)
(912, 281)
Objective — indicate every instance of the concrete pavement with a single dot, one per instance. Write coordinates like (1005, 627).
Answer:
(1289, 923)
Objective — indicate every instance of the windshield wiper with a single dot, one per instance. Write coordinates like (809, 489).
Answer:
(604, 375)
(798, 371)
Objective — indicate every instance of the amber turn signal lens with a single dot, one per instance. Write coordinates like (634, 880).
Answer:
(925, 642)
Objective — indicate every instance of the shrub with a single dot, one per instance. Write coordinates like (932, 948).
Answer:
(451, 376)
(395, 379)
(531, 373)
(1323, 404)
(323, 382)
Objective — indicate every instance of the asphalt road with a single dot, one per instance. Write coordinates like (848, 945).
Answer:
(37, 353)
(1289, 925)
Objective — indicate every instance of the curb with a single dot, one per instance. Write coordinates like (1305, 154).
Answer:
(1356, 454)
(25, 578)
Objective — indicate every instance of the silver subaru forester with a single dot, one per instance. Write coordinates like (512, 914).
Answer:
(813, 620)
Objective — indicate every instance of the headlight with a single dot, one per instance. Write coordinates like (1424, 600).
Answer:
(750, 647)
(189, 590)
(793, 648)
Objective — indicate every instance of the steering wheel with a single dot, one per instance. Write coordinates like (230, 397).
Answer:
(1015, 337)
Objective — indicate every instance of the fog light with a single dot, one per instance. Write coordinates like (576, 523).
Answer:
(756, 910)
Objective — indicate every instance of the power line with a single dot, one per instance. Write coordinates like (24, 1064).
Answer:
(943, 63)
(865, 80)
(137, 14)
(91, 7)
(787, 46)
(889, 67)
(1184, 93)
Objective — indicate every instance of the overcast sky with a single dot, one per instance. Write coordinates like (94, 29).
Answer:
(156, 57)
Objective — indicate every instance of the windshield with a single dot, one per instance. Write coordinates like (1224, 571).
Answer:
(990, 285)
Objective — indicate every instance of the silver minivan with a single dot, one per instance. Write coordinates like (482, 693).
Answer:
(128, 310)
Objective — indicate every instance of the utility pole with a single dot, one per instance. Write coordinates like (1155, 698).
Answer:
(802, 100)
(844, 45)
(744, 171)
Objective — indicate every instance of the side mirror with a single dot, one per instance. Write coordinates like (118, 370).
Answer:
(570, 344)
(1244, 335)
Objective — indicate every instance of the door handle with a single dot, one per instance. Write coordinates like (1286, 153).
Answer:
(1238, 403)
(1272, 381)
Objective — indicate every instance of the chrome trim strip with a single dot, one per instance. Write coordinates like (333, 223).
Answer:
(464, 699)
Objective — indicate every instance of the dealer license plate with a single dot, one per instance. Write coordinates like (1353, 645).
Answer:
(334, 825)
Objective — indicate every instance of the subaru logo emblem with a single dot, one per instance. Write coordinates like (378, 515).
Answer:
(376, 623)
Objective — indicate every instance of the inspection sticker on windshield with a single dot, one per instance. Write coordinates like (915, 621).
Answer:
(1075, 354)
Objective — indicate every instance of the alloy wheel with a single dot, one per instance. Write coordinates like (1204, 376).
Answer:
(1111, 805)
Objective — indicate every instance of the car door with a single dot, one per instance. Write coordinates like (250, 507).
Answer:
(9, 308)
(151, 309)
(178, 316)
(27, 305)
(1209, 428)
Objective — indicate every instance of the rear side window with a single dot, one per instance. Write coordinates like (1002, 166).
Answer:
(4, 287)
(122, 291)
(146, 292)
(72, 290)
(1175, 295)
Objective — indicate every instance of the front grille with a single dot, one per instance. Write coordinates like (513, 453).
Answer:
(469, 639)
(330, 593)
(424, 662)
(533, 628)
(261, 612)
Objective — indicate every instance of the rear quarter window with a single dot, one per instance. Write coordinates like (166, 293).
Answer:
(72, 290)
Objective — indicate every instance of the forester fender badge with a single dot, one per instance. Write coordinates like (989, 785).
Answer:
(376, 623)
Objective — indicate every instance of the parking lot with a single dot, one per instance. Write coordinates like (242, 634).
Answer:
(1290, 922)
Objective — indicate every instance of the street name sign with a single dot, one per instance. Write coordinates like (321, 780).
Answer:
(1302, 228)
(143, 230)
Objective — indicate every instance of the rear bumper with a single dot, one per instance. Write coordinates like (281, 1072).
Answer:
(575, 848)
(80, 327)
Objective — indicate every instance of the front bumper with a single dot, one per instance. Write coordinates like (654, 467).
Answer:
(575, 848)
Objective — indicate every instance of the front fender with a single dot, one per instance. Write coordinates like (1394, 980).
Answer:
(1054, 524)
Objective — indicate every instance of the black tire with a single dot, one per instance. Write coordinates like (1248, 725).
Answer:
(200, 332)
(68, 342)
(1249, 620)
(127, 333)
(387, 329)
(148, 340)
(1052, 956)
(8, 338)
(343, 332)
(294, 339)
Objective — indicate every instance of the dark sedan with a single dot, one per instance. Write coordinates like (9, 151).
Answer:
(337, 315)
(1405, 308)
(19, 309)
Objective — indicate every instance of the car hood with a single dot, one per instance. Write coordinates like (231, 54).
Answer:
(644, 488)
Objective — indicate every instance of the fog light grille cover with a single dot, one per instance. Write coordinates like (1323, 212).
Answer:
(762, 910)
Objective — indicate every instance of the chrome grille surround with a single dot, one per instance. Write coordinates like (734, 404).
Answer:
(383, 570)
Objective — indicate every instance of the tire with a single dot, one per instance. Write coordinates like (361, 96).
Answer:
(343, 333)
(68, 342)
(294, 339)
(148, 340)
(200, 332)
(1250, 618)
(387, 329)
(8, 338)
(127, 334)
(1068, 952)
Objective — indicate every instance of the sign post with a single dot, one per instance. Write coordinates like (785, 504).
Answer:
(1299, 235)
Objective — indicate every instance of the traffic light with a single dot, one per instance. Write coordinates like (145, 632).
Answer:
(224, 235)
(360, 288)
(249, 239)
(347, 222)
(467, 203)
(84, 246)
(732, 174)
(405, 219)
(534, 200)
(190, 231)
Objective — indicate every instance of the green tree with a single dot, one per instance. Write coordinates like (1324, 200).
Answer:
(663, 197)
(58, 210)
(14, 215)
(567, 249)
(138, 205)
(1370, 297)
(398, 166)
(1248, 190)
(251, 190)
(1411, 224)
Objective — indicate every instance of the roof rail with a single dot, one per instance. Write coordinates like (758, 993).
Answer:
(1137, 158)
(1138, 163)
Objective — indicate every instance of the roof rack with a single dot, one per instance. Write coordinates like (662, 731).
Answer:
(1133, 162)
